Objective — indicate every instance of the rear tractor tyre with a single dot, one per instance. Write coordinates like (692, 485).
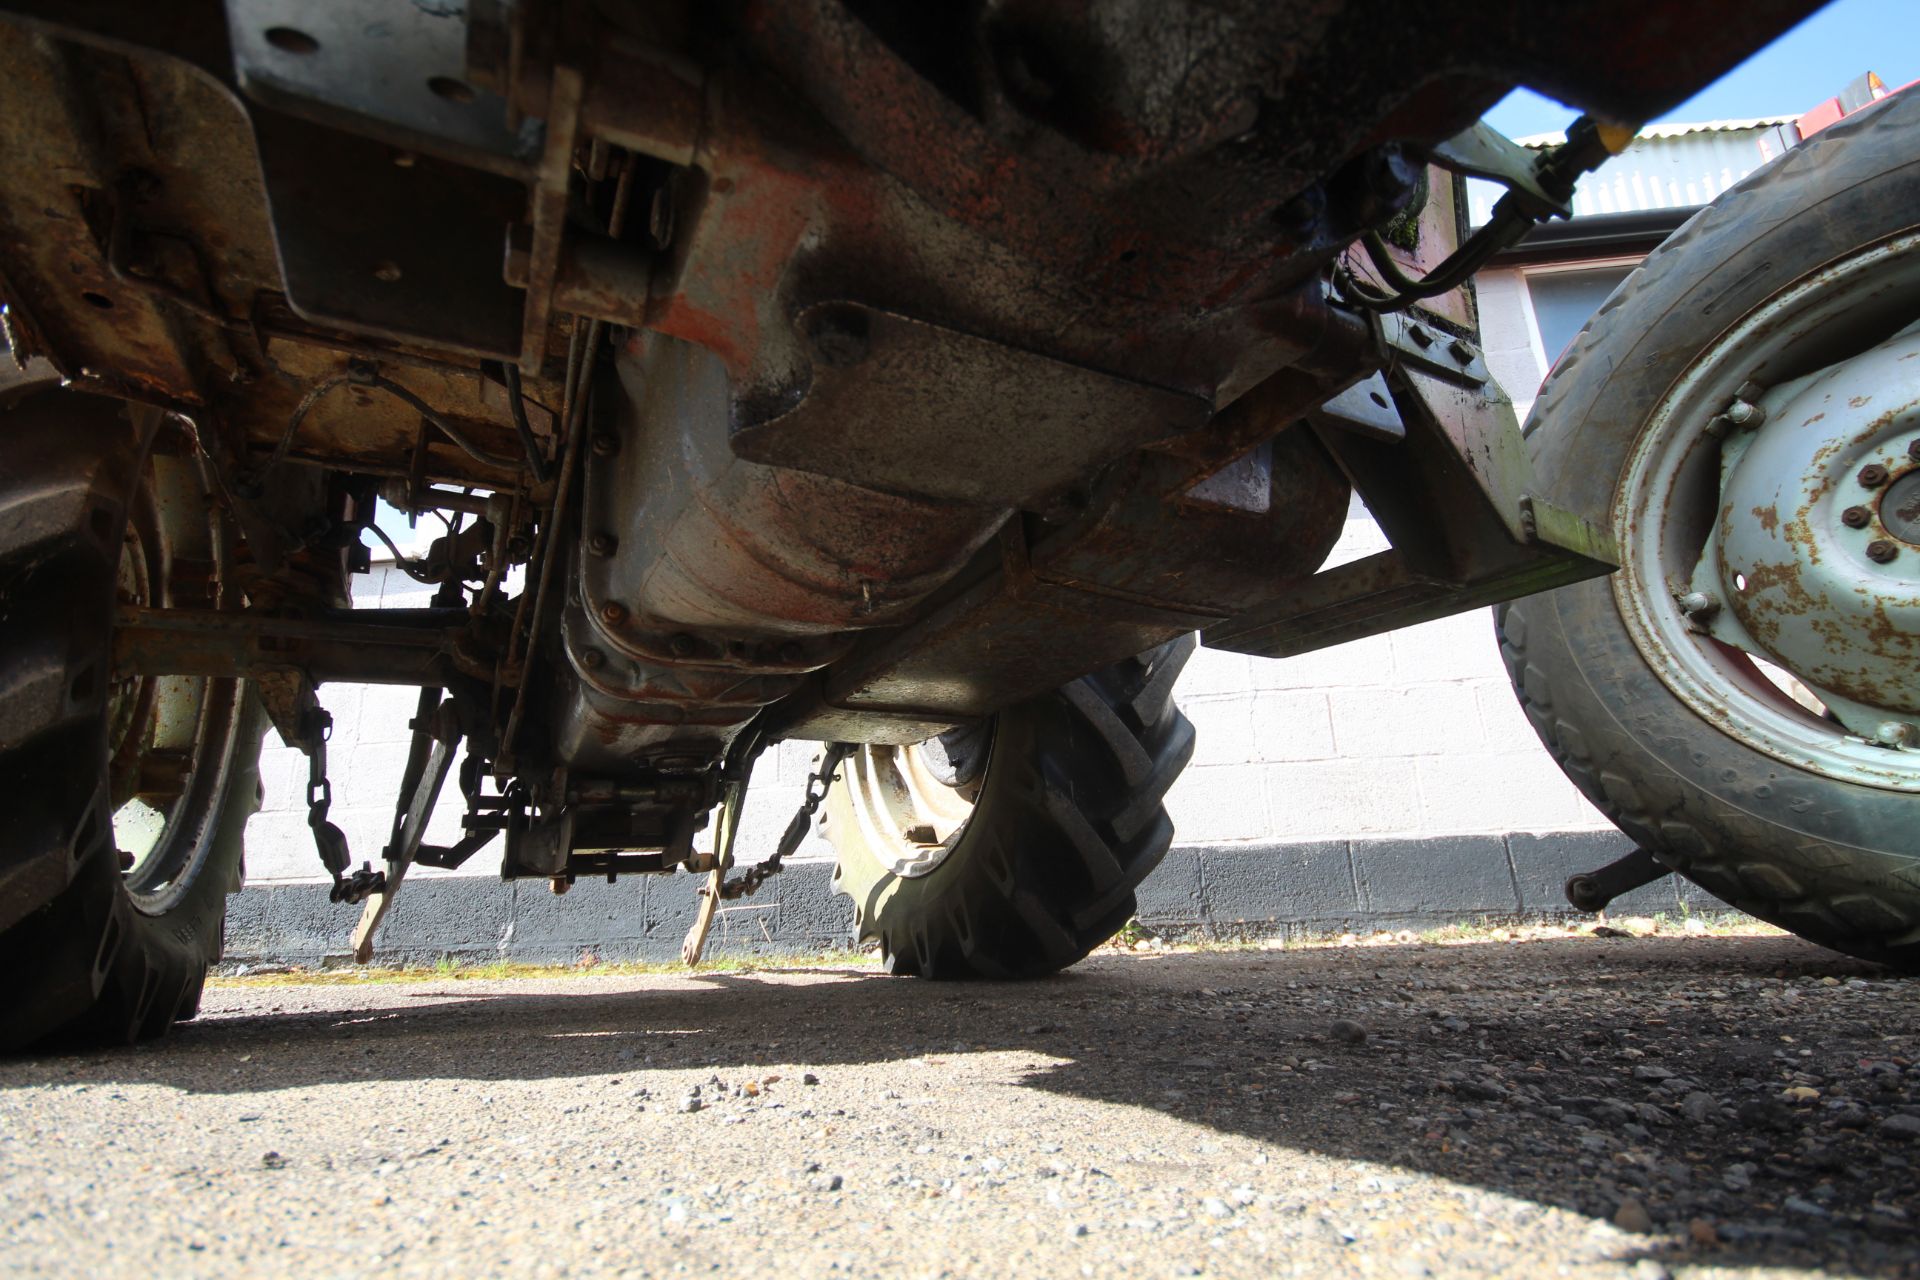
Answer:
(125, 797)
(1011, 849)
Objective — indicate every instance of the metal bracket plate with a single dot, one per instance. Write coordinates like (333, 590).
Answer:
(912, 407)
(389, 69)
(409, 252)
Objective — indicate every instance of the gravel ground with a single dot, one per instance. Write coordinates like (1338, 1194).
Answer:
(1581, 1106)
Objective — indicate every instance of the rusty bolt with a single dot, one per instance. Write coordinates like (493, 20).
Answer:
(601, 543)
(1300, 215)
(517, 266)
(1462, 350)
(592, 659)
(1028, 71)
(1855, 517)
(1390, 175)
(1873, 475)
(1880, 551)
(605, 443)
(613, 613)
(840, 337)
(682, 645)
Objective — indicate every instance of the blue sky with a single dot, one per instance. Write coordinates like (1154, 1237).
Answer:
(1809, 64)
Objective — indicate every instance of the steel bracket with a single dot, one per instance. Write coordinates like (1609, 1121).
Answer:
(1456, 499)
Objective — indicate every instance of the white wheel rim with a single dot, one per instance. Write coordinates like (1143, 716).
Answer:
(905, 815)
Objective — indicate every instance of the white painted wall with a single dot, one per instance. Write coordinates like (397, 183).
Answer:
(1410, 734)
(1509, 337)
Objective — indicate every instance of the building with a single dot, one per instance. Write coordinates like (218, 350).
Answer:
(1535, 297)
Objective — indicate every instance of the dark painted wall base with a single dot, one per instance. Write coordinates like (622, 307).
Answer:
(1238, 891)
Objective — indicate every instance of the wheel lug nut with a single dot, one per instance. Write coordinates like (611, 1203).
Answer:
(1873, 475)
(1896, 733)
(1880, 551)
(1699, 605)
(1855, 517)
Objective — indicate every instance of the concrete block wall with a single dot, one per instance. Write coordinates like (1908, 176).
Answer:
(1414, 734)
(1510, 336)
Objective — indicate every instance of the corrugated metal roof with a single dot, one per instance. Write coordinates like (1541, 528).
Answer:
(1673, 130)
(1671, 166)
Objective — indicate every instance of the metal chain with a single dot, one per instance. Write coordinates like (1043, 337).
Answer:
(818, 784)
(331, 842)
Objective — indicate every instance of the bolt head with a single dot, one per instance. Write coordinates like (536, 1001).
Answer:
(1391, 174)
(1880, 551)
(605, 443)
(840, 337)
(682, 645)
(613, 613)
(592, 659)
(1462, 350)
(1896, 733)
(1421, 335)
(1913, 450)
(1873, 475)
(1300, 215)
(601, 543)
(1855, 517)
(1699, 605)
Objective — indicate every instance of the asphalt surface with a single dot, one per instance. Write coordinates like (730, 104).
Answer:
(1584, 1107)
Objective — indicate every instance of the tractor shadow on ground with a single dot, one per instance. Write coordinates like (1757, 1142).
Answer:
(1459, 1040)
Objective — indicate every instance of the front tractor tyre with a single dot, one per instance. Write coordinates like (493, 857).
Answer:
(1743, 697)
(126, 797)
(1012, 848)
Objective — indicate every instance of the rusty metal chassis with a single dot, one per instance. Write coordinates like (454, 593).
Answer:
(1069, 279)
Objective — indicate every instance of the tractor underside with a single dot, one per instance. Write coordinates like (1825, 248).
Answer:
(797, 369)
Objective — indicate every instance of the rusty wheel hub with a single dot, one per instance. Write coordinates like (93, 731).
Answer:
(1813, 552)
(1769, 518)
